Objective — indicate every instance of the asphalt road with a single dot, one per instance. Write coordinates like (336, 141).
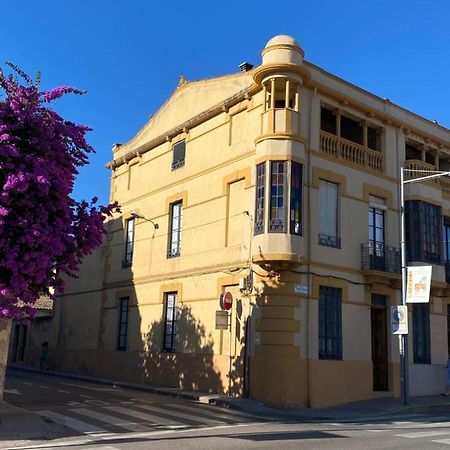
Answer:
(94, 416)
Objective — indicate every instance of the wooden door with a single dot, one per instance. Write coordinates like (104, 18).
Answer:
(379, 347)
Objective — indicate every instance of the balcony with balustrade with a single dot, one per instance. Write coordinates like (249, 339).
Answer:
(421, 159)
(356, 142)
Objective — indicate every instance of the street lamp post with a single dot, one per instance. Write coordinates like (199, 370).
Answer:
(403, 338)
(136, 215)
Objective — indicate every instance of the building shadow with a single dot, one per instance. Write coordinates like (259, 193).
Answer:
(191, 365)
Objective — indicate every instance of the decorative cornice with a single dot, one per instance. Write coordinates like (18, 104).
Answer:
(290, 47)
(265, 70)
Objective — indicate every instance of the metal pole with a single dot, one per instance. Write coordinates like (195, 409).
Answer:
(404, 366)
(230, 357)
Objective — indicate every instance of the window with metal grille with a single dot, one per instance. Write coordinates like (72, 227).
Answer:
(296, 199)
(175, 226)
(329, 214)
(330, 323)
(123, 324)
(170, 321)
(278, 192)
(260, 198)
(421, 333)
(179, 152)
(129, 243)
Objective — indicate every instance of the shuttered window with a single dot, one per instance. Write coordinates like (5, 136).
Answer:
(329, 214)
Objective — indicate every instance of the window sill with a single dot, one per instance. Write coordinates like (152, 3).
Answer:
(173, 255)
(330, 358)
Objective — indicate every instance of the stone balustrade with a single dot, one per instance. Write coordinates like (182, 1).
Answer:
(351, 152)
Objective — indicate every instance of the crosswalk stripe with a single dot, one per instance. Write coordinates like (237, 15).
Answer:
(155, 420)
(423, 434)
(111, 420)
(170, 412)
(429, 425)
(204, 413)
(74, 424)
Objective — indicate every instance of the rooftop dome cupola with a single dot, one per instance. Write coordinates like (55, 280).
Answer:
(282, 56)
(282, 49)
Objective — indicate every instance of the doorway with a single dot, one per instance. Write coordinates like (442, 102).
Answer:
(378, 317)
(19, 343)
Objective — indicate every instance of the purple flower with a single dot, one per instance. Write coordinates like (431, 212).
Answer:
(44, 233)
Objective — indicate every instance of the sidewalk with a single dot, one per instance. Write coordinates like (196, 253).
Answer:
(375, 409)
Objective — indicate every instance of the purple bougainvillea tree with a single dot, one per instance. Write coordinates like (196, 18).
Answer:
(44, 233)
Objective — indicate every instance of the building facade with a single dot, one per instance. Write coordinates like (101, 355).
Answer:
(278, 184)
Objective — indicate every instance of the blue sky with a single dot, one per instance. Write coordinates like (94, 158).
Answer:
(128, 55)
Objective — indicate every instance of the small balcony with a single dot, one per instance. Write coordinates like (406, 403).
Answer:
(380, 257)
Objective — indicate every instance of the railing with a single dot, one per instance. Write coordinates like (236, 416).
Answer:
(415, 164)
(349, 151)
(377, 256)
(329, 241)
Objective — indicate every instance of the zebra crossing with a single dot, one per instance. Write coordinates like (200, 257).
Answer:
(101, 421)
(436, 431)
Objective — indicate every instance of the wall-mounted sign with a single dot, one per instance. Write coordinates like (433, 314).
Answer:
(399, 319)
(301, 289)
(418, 284)
(221, 320)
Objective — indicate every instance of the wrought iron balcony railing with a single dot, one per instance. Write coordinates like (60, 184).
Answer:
(377, 256)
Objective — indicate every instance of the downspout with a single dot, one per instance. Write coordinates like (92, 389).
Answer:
(308, 301)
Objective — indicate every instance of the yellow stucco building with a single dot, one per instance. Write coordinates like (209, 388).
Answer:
(279, 185)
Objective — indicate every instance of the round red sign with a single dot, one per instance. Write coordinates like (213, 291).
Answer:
(227, 300)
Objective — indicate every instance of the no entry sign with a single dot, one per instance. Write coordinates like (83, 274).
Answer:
(226, 300)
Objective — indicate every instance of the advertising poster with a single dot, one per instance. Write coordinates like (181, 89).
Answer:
(418, 284)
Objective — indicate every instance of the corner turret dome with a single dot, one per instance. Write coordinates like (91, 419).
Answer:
(282, 49)
(282, 39)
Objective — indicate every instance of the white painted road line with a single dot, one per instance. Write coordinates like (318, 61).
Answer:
(74, 424)
(201, 412)
(12, 391)
(423, 434)
(184, 416)
(442, 441)
(111, 420)
(155, 420)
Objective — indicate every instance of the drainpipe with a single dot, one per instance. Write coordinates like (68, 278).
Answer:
(308, 301)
